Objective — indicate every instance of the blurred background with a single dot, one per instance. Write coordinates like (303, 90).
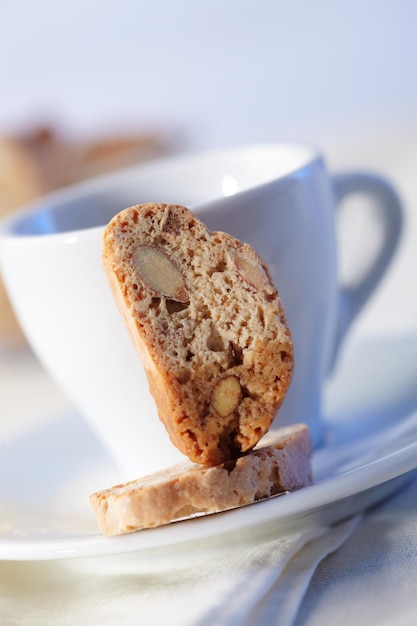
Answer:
(92, 85)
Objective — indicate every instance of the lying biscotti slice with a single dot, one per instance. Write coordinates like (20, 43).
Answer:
(208, 324)
(188, 489)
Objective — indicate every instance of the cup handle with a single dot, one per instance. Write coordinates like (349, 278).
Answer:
(352, 299)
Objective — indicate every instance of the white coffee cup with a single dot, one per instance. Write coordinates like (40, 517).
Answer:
(278, 198)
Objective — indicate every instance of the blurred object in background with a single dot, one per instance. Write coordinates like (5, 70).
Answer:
(43, 159)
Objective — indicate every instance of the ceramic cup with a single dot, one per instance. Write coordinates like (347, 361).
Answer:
(278, 198)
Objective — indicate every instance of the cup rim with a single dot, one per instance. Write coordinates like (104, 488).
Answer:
(54, 201)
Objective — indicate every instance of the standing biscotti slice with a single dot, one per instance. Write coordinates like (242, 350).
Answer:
(207, 322)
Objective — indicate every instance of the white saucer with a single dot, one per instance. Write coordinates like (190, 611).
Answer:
(47, 475)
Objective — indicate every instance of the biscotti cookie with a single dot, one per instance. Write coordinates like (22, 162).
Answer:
(208, 324)
(188, 489)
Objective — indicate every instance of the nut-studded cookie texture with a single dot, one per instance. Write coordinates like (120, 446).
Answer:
(207, 321)
(186, 489)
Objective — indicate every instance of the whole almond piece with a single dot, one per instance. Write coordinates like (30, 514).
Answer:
(160, 273)
(226, 396)
(252, 274)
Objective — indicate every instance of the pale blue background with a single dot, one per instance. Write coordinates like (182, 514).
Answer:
(223, 71)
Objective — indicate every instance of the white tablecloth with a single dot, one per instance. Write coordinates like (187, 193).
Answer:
(251, 586)
(372, 578)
